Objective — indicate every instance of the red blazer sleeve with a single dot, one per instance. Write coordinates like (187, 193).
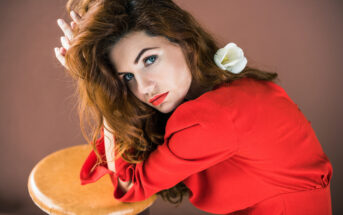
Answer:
(194, 141)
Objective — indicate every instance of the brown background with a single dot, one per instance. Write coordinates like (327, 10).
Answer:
(299, 39)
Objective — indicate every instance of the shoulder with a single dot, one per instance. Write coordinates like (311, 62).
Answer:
(200, 127)
(237, 101)
(201, 111)
(219, 118)
(210, 110)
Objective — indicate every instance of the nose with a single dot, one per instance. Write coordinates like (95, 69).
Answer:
(146, 85)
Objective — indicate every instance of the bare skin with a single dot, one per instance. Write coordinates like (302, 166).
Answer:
(68, 36)
(162, 68)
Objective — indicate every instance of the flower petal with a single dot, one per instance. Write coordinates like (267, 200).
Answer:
(240, 66)
(230, 58)
(230, 45)
(232, 62)
(221, 54)
(235, 53)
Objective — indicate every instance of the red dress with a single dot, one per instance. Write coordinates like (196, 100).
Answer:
(242, 148)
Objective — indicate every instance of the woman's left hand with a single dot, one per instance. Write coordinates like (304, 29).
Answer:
(124, 185)
(68, 36)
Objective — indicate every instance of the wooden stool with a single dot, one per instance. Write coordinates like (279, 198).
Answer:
(54, 186)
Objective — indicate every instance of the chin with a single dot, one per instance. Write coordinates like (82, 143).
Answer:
(163, 109)
(169, 106)
(166, 107)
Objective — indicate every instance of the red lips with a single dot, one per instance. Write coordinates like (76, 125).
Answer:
(158, 99)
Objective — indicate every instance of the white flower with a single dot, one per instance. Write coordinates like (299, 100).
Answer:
(230, 58)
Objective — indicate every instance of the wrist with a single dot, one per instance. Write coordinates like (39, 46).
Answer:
(124, 185)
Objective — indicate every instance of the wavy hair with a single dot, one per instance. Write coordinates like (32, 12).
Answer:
(137, 127)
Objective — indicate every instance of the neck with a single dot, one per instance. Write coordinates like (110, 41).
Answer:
(195, 91)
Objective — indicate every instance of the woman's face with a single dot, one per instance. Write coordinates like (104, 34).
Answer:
(154, 69)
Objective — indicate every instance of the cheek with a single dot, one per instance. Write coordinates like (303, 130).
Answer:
(133, 89)
(182, 76)
(177, 72)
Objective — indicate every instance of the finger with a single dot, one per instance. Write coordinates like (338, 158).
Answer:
(76, 17)
(65, 42)
(59, 57)
(65, 28)
(72, 25)
(63, 51)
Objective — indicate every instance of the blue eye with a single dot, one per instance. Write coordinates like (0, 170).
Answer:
(151, 58)
(148, 60)
(128, 76)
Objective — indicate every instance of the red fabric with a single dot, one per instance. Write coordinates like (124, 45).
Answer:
(244, 147)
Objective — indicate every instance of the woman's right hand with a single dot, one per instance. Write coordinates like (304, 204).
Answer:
(67, 38)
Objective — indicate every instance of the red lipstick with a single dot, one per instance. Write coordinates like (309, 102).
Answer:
(158, 99)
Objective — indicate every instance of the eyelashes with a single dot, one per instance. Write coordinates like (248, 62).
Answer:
(125, 75)
(152, 58)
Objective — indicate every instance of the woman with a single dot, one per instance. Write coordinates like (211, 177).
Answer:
(187, 117)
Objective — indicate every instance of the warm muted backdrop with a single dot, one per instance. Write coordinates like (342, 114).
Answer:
(299, 39)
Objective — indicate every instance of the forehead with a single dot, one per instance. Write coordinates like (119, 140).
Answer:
(127, 48)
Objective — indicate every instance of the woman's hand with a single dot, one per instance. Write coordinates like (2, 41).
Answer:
(124, 185)
(68, 36)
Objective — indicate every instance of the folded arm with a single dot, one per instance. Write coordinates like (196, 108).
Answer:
(110, 155)
(189, 147)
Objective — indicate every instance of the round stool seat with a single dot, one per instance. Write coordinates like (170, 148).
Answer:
(54, 186)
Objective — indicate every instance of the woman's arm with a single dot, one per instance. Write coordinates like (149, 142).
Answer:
(110, 155)
(195, 140)
(109, 146)
(183, 154)
(198, 135)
